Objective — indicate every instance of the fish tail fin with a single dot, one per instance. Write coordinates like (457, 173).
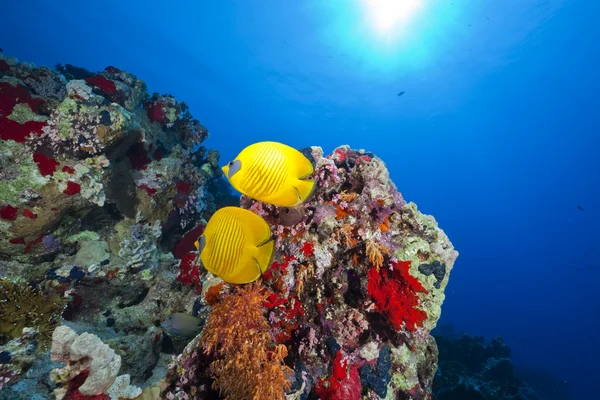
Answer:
(305, 188)
(265, 255)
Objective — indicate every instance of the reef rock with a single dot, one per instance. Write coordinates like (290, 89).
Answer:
(71, 147)
(103, 190)
(471, 369)
(99, 181)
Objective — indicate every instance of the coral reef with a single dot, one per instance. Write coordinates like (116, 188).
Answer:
(103, 190)
(17, 356)
(99, 182)
(471, 369)
(71, 147)
(350, 293)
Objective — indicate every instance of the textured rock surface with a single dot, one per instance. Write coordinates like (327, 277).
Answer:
(75, 147)
(99, 180)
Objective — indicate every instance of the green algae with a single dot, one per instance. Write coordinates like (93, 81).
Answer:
(407, 377)
(83, 236)
(24, 173)
(22, 113)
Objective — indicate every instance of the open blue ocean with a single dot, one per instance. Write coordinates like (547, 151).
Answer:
(485, 113)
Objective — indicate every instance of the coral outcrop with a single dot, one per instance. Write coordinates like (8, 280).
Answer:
(356, 286)
(99, 181)
(471, 369)
(69, 148)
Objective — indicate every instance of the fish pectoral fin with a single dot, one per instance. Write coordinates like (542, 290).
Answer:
(264, 255)
(305, 189)
(264, 242)
(258, 268)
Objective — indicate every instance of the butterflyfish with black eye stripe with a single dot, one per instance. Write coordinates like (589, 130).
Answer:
(236, 245)
(272, 173)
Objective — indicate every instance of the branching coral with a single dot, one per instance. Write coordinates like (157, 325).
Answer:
(376, 252)
(304, 272)
(22, 306)
(248, 365)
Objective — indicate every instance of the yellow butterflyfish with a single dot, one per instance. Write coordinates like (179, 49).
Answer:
(236, 245)
(272, 173)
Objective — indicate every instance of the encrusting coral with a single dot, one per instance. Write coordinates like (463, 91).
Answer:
(91, 370)
(99, 181)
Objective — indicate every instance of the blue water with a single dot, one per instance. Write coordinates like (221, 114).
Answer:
(496, 133)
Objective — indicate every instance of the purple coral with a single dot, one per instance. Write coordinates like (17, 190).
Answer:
(51, 243)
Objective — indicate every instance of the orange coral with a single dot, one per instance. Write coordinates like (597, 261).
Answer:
(247, 365)
(340, 213)
(347, 232)
(347, 197)
(384, 226)
(376, 252)
(213, 294)
(304, 272)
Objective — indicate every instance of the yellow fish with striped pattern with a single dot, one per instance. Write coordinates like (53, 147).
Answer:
(272, 173)
(236, 245)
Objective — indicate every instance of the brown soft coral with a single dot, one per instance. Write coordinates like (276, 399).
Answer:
(247, 365)
(348, 238)
(348, 196)
(22, 306)
(376, 252)
(303, 273)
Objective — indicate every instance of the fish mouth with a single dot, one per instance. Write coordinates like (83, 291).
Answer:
(166, 325)
(231, 168)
